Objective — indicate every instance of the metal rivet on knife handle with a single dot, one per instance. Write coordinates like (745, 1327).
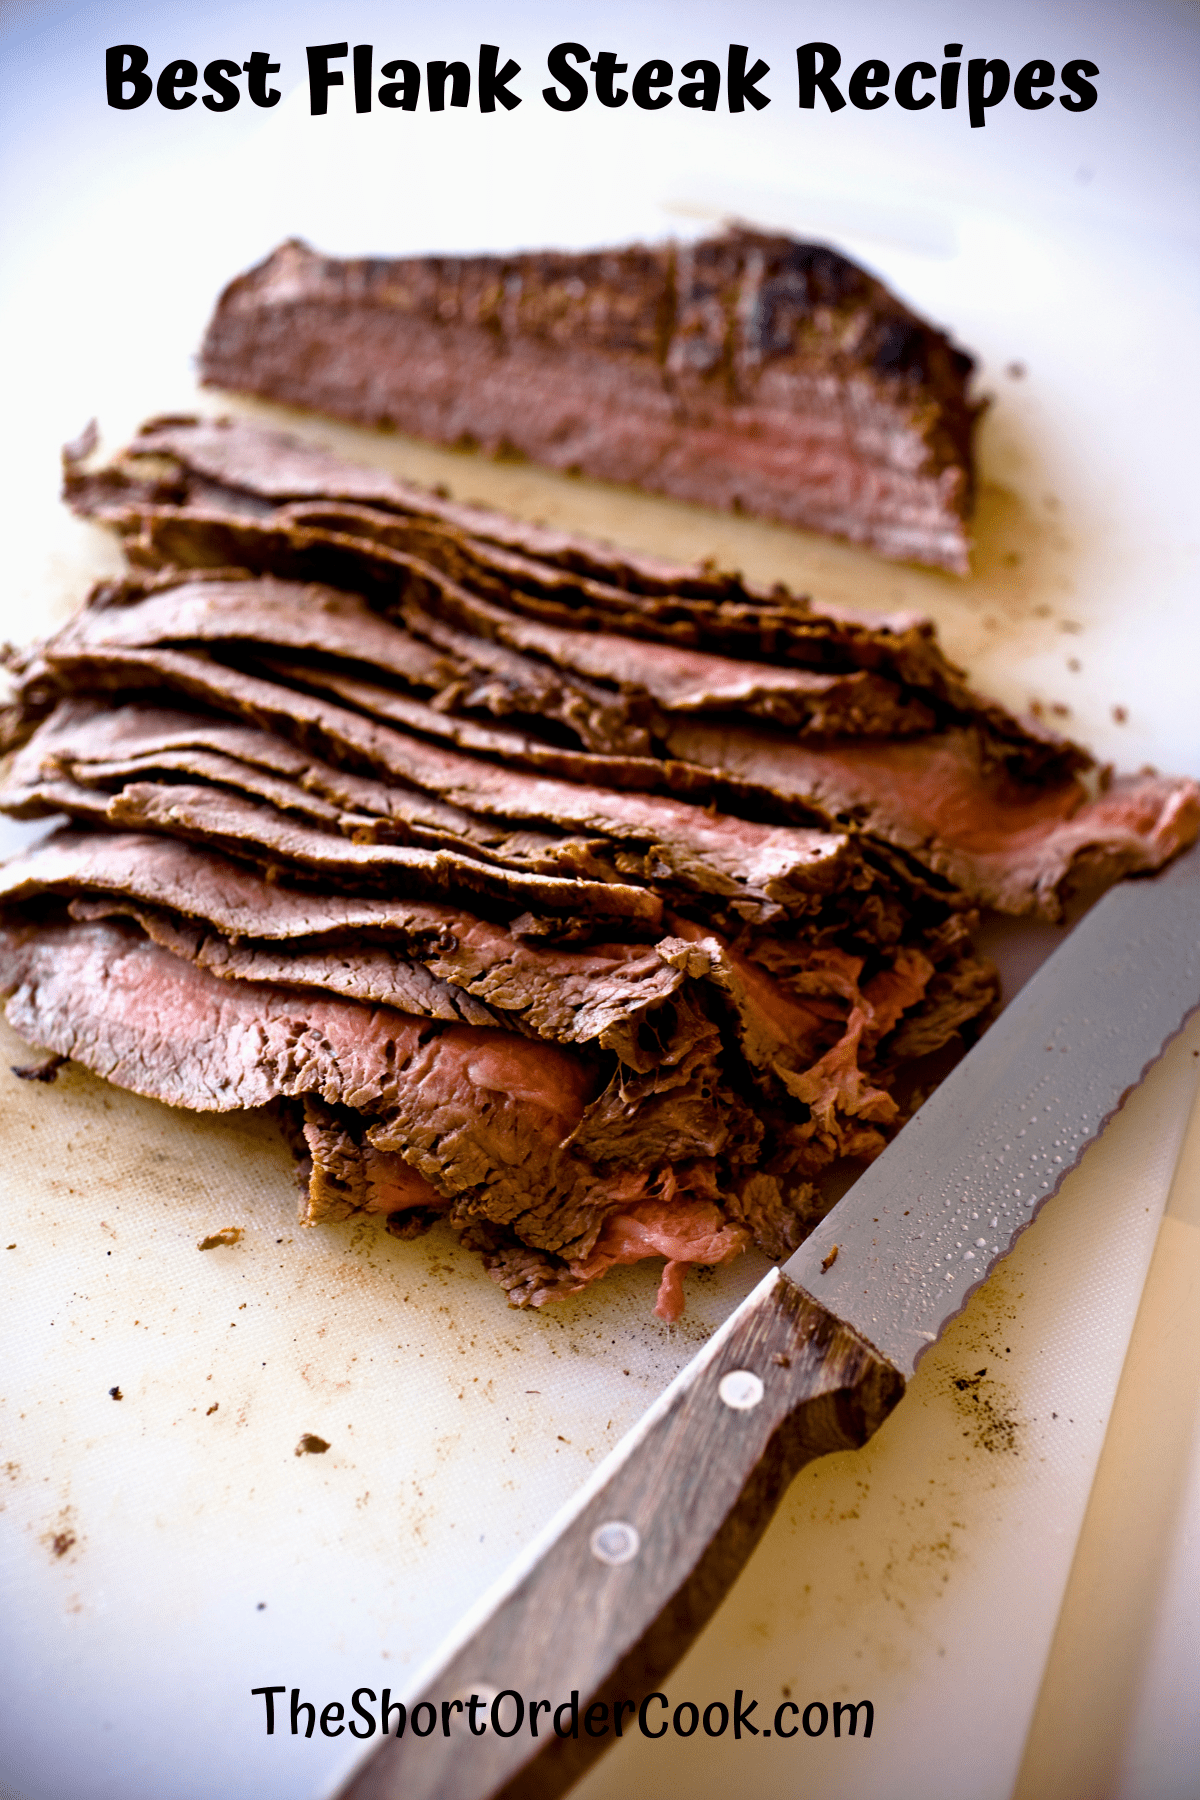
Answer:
(615, 1542)
(741, 1389)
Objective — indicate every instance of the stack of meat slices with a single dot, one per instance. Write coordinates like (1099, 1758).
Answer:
(598, 907)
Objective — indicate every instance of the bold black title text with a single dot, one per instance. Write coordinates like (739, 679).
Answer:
(578, 76)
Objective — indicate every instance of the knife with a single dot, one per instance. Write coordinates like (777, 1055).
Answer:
(609, 1596)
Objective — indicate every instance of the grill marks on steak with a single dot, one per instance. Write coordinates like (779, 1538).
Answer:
(748, 372)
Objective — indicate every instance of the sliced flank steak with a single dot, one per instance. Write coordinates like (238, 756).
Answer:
(595, 908)
(207, 494)
(1010, 822)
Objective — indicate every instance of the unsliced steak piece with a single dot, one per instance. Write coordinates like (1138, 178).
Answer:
(749, 372)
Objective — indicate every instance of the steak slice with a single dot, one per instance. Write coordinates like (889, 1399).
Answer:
(748, 372)
(77, 742)
(382, 557)
(230, 498)
(555, 678)
(170, 874)
(1043, 836)
(751, 866)
(437, 960)
(523, 750)
(282, 614)
(572, 583)
(695, 1232)
(401, 861)
(82, 655)
(678, 679)
(1018, 847)
(232, 920)
(231, 822)
(342, 1174)
(181, 460)
(335, 625)
(377, 976)
(485, 1117)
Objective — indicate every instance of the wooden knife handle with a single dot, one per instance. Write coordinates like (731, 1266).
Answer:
(628, 1573)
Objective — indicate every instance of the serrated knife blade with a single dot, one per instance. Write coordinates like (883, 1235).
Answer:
(620, 1582)
(926, 1224)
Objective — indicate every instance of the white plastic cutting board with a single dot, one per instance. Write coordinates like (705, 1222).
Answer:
(200, 1556)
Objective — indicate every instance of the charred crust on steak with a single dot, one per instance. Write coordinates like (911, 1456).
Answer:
(750, 372)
